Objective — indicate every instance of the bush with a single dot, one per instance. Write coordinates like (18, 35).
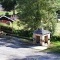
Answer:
(18, 33)
(6, 29)
(55, 38)
(7, 14)
(23, 33)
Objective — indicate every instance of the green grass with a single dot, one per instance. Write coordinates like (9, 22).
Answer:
(16, 27)
(54, 47)
(57, 30)
(10, 13)
(2, 13)
(55, 41)
(3, 24)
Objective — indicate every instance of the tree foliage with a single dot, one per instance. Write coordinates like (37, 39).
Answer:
(38, 13)
(8, 5)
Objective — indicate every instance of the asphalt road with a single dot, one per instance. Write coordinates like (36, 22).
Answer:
(12, 48)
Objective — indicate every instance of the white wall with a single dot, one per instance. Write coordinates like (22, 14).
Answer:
(41, 36)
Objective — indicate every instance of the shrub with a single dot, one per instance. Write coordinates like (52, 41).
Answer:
(23, 33)
(6, 29)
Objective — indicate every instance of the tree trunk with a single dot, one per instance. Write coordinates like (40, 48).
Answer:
(14, 11)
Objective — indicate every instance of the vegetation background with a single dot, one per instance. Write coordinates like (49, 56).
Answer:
(33, 14)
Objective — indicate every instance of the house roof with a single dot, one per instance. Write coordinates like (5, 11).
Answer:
(6, 18)
(41, 31)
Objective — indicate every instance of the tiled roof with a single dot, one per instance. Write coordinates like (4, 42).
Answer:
(7, 18)
(41, 31)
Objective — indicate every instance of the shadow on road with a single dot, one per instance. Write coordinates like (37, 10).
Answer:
(13, 42)
(39, 57)
(22, 54)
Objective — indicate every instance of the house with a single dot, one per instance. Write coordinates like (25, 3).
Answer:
(5, 19)
(41, 36)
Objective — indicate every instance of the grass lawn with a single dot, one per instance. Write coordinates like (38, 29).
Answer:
(57, 30)
(55, 41)
(54, 46)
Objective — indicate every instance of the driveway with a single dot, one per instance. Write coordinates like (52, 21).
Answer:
(11, 48)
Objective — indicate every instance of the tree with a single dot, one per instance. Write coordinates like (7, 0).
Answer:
(18, 24)
(9, 5)
(38, 13)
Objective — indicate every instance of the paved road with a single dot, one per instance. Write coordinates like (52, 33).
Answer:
(12, 48)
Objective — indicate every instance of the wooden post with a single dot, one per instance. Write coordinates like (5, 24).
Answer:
(12, 27)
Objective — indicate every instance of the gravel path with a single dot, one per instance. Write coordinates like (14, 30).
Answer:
(13, 49)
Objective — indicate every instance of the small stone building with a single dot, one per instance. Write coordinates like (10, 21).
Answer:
(5, 19)
(41, 37)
